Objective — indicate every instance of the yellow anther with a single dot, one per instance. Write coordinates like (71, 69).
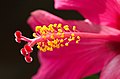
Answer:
(52, 36)
(62, 35)
(43, 33)
(49, 48)
(52, 30)
(50, 27)
(74, 28)
(59, 25)
(49, 43)
(73, 38)
(34, 35)
(53, 46)
(46, 46)
(61, 45)
(44, 37)
(66, 27)
(55, 41)
(44, 50)
(57, 46)
(41, 30)
(44, 27)
(39, 43)
(72, 34)
(69, 39)
(77, 41)
(38, 47)
(43, 44)
(78, 37)
(55, 25)
(58, 33)
(41, 49)
(61, 40)
(66, 44)
(37, 28)
(60, 30)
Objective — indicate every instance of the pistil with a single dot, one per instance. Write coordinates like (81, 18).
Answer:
(48, 38)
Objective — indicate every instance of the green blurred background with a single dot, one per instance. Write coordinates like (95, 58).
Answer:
(13, 16)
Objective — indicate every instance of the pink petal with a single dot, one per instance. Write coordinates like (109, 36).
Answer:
(40, 17)
(112, 70)
(105, 12)
(74, 61)
(77, 60)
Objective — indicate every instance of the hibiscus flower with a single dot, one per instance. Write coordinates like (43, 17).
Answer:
(95, 47)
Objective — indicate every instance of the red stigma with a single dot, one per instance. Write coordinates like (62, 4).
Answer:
(18, 34)
(28, 48)
(28, 59)
(23, 52)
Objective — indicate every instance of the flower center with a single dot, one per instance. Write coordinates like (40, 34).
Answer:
(55, 36)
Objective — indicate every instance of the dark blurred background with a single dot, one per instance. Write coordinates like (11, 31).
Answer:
(13, 16)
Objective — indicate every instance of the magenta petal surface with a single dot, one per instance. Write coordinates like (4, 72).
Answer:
(112, 70)
(74, 61)
(40, 17)
(77, 60)
(105, 12)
